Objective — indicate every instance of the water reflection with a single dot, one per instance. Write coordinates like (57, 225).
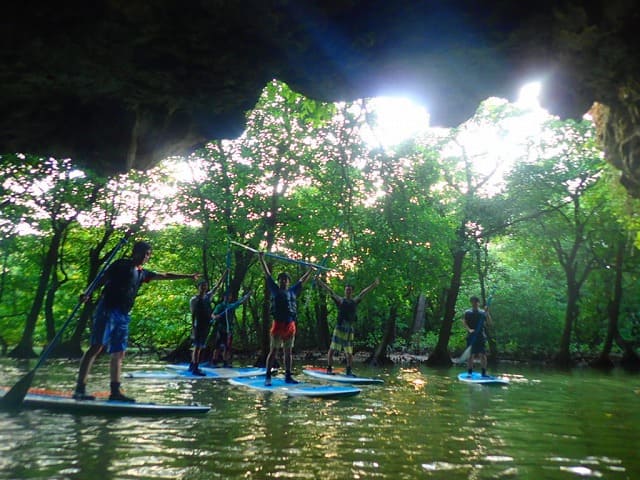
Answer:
(421, 423)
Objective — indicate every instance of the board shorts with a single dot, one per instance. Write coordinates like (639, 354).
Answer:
(283, 335)
(478, 345)
(222, 340)
(110, 328)
(342, 339)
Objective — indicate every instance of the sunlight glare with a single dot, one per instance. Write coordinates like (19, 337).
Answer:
(397, 119)
(529, 96)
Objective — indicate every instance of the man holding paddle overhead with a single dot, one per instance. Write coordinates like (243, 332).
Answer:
(284, 311)
(342, 338)
(475, 320)
(121, 282)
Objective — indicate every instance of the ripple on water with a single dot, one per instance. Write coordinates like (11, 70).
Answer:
(420, 424)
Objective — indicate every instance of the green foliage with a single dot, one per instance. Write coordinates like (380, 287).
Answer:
(302, 182)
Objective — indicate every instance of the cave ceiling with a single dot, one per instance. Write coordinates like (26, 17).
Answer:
(120, 84)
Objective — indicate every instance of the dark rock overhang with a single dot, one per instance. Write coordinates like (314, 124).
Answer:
(118, 85)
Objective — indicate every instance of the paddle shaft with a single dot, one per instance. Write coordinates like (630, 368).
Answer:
(284, 259)
(15, 396)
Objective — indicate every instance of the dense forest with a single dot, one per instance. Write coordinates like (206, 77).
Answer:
(512, 205)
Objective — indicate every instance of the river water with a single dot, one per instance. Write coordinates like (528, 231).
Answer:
(422, 423)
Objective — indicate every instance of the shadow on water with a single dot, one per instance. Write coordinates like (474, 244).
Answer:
(421, 423)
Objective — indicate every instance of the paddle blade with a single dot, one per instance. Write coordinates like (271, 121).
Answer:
(12, 400)
(465, 356)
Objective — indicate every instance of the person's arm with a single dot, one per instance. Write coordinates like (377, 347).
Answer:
(337, 298)
(217, 311)
(367, 289)
(219, 282)
(306, 276)
(265, 268)
(232, 306)
(488, 316)
(175, 276)
(244, 298)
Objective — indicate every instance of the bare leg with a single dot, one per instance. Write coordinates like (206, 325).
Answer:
(267, 380)
(195, 356)
(87, 362)
(288, 360)
(83, 372)
(115, 366)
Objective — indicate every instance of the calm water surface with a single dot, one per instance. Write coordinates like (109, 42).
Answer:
(422, 423)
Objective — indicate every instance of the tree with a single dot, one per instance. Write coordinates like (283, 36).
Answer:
(552, 194)
(58, 193)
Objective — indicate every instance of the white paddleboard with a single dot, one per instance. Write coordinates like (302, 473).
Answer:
(339, 377)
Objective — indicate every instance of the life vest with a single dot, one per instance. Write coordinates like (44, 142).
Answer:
(283, 306)
(202, 310)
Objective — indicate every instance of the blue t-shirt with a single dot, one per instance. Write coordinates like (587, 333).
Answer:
(473, 319)
(284, 307)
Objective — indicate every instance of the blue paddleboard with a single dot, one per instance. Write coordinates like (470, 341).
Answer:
(301, 389)
(477, 378)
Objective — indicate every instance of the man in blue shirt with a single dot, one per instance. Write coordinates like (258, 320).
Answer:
(121, 282)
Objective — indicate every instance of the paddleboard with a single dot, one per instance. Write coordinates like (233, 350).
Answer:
(301, 389)
(477, 378)
(175, 372)
(339, 377)
(60, 401)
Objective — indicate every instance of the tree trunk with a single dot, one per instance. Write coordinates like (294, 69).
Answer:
(440, 355)
(322, 322)
(4, 270)
(379, 356)
(24, 348)
(50, 298)
(630, 359)
(563, 358)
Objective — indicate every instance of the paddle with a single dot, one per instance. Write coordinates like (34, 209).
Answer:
(325, 259)
(227, 282)
(284, 259)
(467, 352)
(232, 306)
(14, 397)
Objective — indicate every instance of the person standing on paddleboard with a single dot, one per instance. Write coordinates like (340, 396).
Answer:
(121, 282)
(343, 333)
(224, 318)
(284, 310)
(475, 320)
(201, 309)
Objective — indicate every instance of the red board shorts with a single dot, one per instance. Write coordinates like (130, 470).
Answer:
(283, 334)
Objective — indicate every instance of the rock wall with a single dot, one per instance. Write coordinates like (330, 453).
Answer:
(117, 85)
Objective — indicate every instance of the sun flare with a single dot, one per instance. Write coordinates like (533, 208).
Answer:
(397, 119)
